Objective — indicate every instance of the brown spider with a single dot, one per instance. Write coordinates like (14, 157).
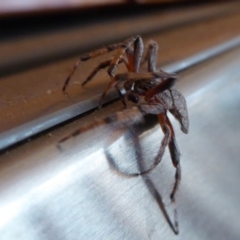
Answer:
(153, 92)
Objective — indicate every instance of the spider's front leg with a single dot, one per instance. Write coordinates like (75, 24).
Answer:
(103, 65)
(134, 59)
(134, 56)
(151, 56)
(88, 56)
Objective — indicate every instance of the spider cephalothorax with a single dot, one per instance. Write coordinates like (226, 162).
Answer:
(156, 87)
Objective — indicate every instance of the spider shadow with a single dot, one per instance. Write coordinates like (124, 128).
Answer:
(150, 122)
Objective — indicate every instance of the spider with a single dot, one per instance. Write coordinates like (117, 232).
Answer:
(153, 92)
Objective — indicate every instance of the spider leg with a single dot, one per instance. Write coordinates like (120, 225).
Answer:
(86, 57)
(161, 87)
(169, 139)
(137, 54)
(129, 65)
(103, 65)
(101, 51)
(121, 95)
(109, 86)
(142, 76)
(175, 156)
(164, 143)
(96, 70)
(151, 56)
(130, 58)
(167, 128)
(133, 57)
(70, 76)
(136, 60)
(179, 109)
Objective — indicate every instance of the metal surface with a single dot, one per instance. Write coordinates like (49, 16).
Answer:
(73, 194)
(32, 101)
(31, 128)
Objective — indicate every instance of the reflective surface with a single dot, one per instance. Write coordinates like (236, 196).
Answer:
(42, 123)
(76, 193)
(32, 101)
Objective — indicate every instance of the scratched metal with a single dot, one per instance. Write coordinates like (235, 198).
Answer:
(75, 194)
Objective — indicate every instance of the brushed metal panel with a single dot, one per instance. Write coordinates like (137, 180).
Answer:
(74, 194)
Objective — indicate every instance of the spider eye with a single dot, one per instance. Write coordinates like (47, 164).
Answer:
(133, 98)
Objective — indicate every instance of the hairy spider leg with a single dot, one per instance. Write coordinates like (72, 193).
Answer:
(174, 152)
(158, 158)
(168, 80)
(137, 55)
(128, 61)
(175, 156)
(86, 57)
(167, 128)
(161, 87)
(179, 109)
(103, 65)
(164, 121)
(126, 44)
(151, 56)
